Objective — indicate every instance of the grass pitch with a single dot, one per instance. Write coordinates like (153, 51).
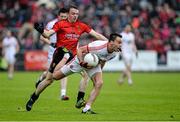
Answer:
(153, 96)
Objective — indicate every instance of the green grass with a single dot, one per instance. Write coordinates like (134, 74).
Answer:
(153, 96)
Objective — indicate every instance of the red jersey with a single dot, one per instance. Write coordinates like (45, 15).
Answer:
(68, 33)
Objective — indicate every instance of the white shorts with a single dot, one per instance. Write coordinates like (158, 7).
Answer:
(10, 58)
(74, 67)
(128, 59)
(50, 55)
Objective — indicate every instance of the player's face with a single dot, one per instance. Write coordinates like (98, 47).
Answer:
(128, 28)
(9, 33)
(73, 15)
(117, 44)
(63, 16)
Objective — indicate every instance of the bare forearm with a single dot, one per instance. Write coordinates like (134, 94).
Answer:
(47, 33)
(46, 40)
(101, 37)
(98, 35)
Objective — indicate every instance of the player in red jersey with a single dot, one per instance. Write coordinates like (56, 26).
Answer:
(62, 14)
(68, 33)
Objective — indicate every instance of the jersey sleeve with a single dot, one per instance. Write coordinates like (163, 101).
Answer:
(57, 26)
(96, 45)
(48, 26)
(92, 46)
(133, 37)
(15, 41)
(4, 42)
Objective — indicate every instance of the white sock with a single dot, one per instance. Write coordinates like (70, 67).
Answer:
(130, 82)
(86, 108)
(63, 92)
(10, 75)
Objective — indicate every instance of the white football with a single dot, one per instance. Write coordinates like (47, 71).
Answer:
(91, 59)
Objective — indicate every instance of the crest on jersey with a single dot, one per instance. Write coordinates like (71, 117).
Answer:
(79, 28)
(65, 50)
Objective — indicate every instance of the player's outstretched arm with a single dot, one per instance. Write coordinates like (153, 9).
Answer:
(46, 40)
(97, 35)
(40, 28)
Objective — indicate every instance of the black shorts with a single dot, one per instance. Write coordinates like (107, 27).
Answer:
(58, 56)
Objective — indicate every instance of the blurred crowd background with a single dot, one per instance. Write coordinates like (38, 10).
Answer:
(156, 23)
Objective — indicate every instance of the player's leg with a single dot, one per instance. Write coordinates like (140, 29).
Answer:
(41, 78)
(122, 77)
(11, 61)
(63, 82)
(96, 76)
(128, 63)
(10, 71)
(50, 57)
(63, 86)
(124, 74)
(42, 85)
(128, 72)
(57, 59)
(49, 78)
(82, 87)
(98, 82)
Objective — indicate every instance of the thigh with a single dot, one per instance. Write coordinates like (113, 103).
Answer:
(58, 55)
(127, 60)
(71, 67)
(63, 61)
(50, 54)
(97, 79)
(10, 58)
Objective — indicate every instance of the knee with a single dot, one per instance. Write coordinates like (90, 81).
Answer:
(99, 84)
(55, 74)
(58, 75)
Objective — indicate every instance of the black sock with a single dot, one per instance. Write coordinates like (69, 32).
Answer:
(80, 95)
(34, 97)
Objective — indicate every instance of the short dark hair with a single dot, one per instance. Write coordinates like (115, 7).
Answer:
(62, 10)
(72, 6)
(113, 36)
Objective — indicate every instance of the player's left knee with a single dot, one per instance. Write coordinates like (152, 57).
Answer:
(99, 84)
(57, 75)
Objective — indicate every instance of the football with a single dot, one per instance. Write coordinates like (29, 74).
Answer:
(91, 59)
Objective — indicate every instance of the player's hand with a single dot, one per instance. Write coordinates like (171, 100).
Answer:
(85, 65)
(39, 27)
(53, 45)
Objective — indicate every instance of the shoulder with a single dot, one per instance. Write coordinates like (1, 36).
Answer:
(82, 23)
(52, 22)
(61, 22)
(4, 40)
(14, 39)
(131, 33)
(98, 43)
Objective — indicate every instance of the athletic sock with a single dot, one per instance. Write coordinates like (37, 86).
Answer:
(34, 97)
(86, 108)
(63, 92)
(80, 95)
(130, 82)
